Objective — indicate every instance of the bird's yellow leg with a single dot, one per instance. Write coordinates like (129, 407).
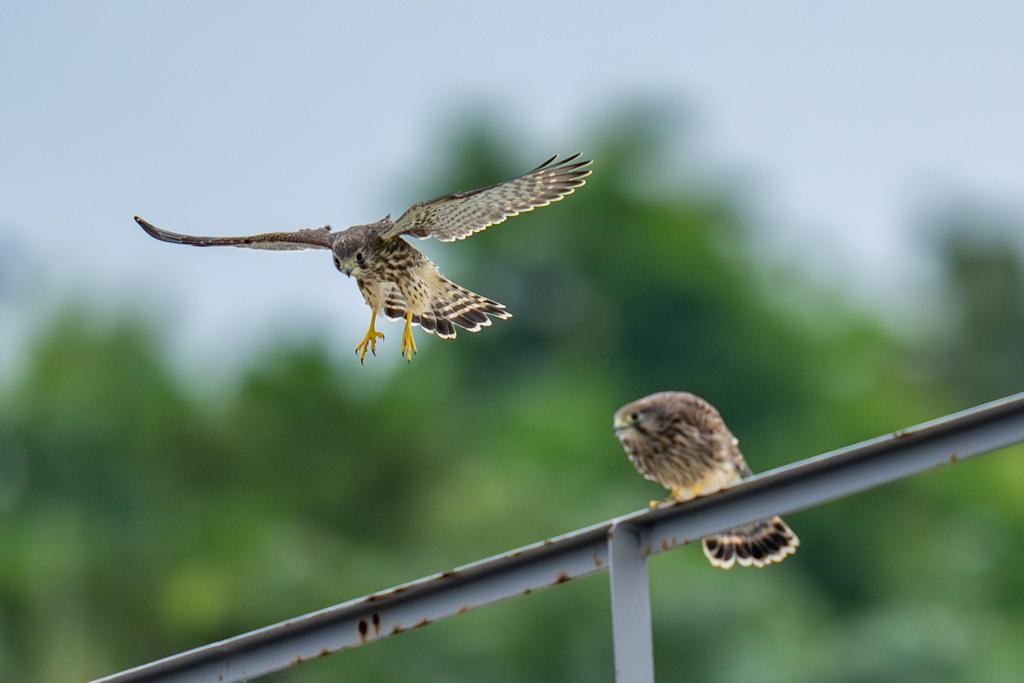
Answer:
(370, 340)
(408, 343)
(682, 493)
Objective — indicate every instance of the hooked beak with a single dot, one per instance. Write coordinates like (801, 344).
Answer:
(341, 268)
(620, 424)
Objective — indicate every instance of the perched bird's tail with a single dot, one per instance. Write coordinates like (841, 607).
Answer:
(758, 544)
(452, 306)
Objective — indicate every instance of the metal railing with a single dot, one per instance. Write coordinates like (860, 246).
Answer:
(621, 545)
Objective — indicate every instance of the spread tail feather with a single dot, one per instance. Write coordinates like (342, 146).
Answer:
(758, 544)
(454, 306)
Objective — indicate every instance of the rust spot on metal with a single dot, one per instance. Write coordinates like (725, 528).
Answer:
(299, 660)
(463, 609)
(647, 553)
(519, 552)
(563, 576)
(324, 652)
(597, 561)
(363, 628)
(445, 575)
(372, 598)
(527, 591)
(548, 541)
(952, 458)
(221, 677)
(398, 628)
(376, 623)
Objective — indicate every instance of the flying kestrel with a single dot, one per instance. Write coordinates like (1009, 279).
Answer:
(394, 277)
(680, 441)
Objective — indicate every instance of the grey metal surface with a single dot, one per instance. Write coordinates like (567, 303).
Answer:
(631, 604)
(787, 489)
(383, 614)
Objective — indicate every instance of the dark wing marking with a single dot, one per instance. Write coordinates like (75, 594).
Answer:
(455, 216)
(320, 238)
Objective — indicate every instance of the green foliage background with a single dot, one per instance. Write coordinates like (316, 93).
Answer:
(140, 517)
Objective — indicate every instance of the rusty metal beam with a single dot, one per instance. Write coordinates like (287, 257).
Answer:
(795, 487)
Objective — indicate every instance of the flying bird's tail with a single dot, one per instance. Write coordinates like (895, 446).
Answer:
(450, 306)
(758, 544)
(466, 309)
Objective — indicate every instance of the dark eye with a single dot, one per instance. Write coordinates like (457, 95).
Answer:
(359, 257)
(634, 416)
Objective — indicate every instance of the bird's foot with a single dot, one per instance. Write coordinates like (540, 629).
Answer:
(370, 340)
(685, 493)
(408, 343)
(369, 343)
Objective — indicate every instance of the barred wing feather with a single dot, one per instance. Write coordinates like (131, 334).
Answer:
(455, 216)
(321, 238)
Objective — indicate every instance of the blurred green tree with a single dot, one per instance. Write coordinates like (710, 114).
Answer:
(985, 278)
(139, 519)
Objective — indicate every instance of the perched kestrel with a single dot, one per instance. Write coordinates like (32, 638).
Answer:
(397, 279)
(680, 441)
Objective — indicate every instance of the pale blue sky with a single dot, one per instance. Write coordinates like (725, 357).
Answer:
(846, 121)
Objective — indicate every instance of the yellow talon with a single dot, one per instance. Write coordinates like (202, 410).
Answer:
(683, 494)
(370, 340)
(408, 343)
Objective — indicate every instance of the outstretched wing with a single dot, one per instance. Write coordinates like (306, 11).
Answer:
(276, 241)
(455, 216)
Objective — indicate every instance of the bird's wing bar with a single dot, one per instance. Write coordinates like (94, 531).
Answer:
(455, 216)
(276, 241)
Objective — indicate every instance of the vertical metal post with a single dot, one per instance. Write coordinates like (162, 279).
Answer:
(631, 605)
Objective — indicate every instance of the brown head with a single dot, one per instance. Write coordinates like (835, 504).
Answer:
(356, 249)
(658, 415)
(678, 440)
